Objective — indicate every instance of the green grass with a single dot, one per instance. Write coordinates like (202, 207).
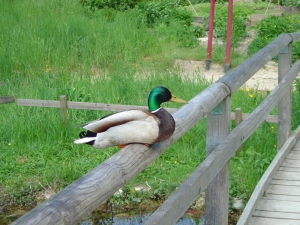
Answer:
(250, 8)
(54, 48)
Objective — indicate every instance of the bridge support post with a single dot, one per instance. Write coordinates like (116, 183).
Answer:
(284, 105)
(216, 194)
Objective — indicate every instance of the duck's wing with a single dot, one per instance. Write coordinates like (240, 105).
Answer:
(116, 119)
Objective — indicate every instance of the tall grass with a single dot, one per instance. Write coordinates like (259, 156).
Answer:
(49, 48)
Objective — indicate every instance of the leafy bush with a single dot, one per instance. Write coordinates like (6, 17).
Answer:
(167, 18)
(114, 4)
(257, 44)
(238, 24)
(290, 2)
(271, 27)
(164, 12)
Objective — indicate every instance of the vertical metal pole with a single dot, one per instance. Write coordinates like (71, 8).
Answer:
(217, 192)
(228, 36)
(284, 105)
(210, 33)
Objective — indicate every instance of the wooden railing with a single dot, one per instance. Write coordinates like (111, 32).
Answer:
(84, 195)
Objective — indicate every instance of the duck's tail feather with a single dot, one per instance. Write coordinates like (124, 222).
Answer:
(86, 137)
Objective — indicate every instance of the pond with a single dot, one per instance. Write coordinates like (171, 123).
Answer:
(139, 219)
(118, 219)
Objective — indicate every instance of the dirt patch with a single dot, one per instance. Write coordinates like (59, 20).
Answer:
(264, 79)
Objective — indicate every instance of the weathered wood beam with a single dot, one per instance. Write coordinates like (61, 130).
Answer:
(174, 207)
(7, 99)
(84, 195)
(109, 107)
(64, 109)
(217, 192)
(82, 105)
(284, 105)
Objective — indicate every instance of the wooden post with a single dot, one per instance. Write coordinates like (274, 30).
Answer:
(7, 99)
(238, 119)
(216, 194)
(284, 105)
(64, 109)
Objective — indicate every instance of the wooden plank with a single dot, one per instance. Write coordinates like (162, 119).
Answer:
(284, 105)
(268, 119)
(295, 36)
(291, 169)
(110, 107)
(284, 197)
(81, 105)
(284, 190)
(291, 163)
(272, 221)
(7, 99)
(276, 215)
(39, 103)
(238, 119)
(297, 146)
(216, 193)
(286, 182)
(294, 155)
(287, 175)
(256, 18)
(107, 107)
(267, 176)
(84, 195)
(171, 210)
(278, 206)
(64, 109)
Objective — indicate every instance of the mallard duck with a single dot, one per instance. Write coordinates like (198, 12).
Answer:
(133, 126)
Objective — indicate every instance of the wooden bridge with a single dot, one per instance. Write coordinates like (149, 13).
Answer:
(276, 197)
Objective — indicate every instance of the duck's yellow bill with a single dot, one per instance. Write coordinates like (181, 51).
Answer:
(178, 100)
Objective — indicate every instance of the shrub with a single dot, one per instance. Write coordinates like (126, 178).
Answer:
(271, 27)
(257, 44)
(290, 2)
(164, 12)
(114, 4)
(238, 24)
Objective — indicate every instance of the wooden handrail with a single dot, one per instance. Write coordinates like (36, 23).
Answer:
(84, 195)
(172, 209)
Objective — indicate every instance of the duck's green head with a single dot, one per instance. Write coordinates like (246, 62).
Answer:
(159, 95)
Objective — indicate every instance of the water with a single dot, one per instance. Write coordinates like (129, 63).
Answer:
(139, 219)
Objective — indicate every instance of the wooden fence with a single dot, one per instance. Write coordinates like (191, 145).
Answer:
(64, 105)
(84, 195)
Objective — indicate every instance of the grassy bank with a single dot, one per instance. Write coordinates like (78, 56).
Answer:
(54, 48)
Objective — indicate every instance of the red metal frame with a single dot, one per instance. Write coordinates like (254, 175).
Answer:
(228, 35)
(210, 33)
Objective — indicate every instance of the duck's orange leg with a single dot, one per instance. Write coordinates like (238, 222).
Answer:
(122, 146)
